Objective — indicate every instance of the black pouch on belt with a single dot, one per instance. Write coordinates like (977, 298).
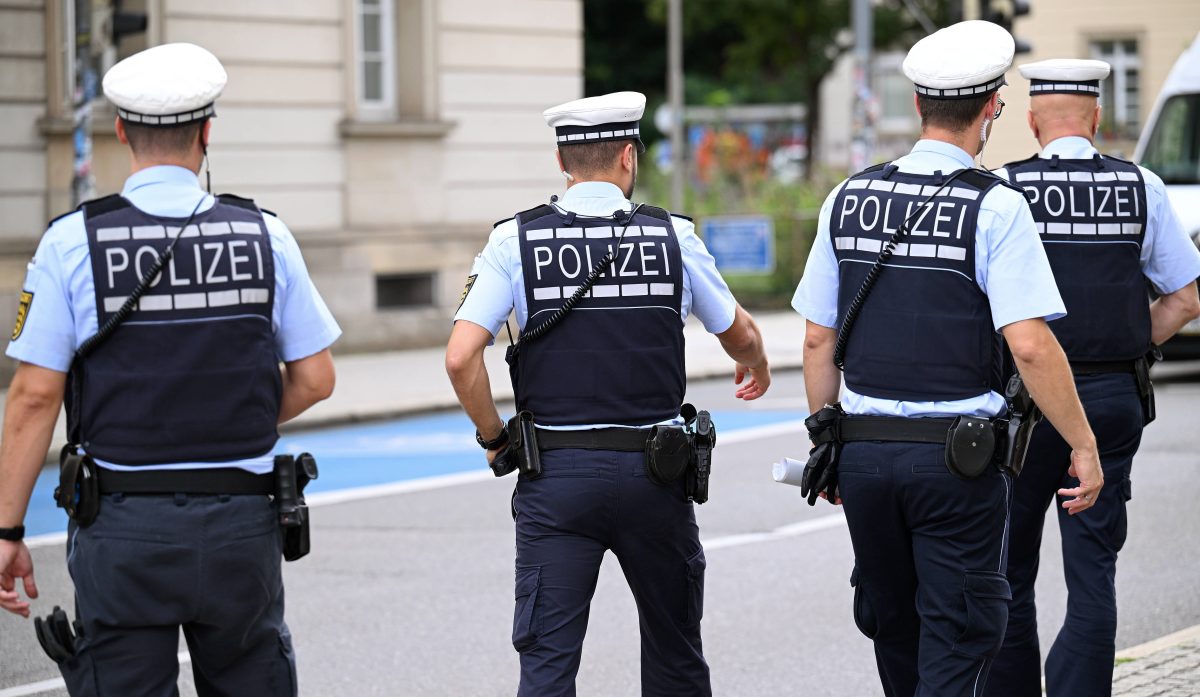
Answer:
(970, 446)
(78, 490)
(523, 451)
(668, 453)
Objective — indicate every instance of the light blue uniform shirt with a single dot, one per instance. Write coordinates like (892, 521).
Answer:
(62, 314)
(1169, 258)
(499, 286)
(1010, 266)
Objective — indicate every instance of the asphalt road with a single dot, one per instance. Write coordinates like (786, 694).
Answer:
(411, 593)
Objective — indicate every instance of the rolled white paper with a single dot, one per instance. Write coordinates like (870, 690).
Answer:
(788, 471)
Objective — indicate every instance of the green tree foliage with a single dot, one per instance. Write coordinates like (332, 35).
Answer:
(736, 52)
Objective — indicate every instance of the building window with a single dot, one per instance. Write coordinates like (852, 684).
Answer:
(409, 290)
(375, 45)
(1120, 94)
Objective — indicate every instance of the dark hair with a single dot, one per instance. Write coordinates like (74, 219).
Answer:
(162, 140)
(952, 114)
(583, 159)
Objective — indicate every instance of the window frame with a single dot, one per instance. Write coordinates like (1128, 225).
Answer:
(383, 109)
(1117, 85)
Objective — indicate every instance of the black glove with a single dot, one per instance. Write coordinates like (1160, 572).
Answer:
(503, 463)
(820, 472)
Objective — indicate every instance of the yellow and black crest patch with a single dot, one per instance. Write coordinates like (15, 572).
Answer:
(22, 313)
(467, 289)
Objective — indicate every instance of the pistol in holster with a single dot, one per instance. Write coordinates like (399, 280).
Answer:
(1023, 416)
(703, 433)
(292, 475)
(522, 452)
(78, 490)
(1141, 370)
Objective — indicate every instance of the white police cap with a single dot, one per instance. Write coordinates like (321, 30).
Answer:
(594, 119)
(166, 85)
(963, 60)
(1065, 76)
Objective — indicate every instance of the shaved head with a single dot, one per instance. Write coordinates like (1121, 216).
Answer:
(1053, 116)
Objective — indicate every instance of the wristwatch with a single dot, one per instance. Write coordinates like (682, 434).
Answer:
(495, 442)
(13, 534)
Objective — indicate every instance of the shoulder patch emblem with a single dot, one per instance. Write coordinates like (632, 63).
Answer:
(22, 313)
(466, 290)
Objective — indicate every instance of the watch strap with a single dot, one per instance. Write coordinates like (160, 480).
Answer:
(13, 534)
(494, 443)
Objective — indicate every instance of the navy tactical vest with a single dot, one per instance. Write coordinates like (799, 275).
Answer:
(1092, 215)
(192, 374)
(925, 332)
(617, 358)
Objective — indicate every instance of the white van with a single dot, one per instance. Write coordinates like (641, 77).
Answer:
(1170, 147)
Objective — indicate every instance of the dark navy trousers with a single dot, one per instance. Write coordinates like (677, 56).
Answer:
(151, 565)
(929, 580)
(1080, 662)
(584, 503)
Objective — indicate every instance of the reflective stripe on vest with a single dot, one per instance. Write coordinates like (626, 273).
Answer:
(1091, 215)
(192, 375)
(925, 333)
(617, 358)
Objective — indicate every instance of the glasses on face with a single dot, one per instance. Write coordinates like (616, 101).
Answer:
(999, 108)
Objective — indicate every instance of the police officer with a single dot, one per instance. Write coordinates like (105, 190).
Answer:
(181, 401)
(595, 380)
(1108, 229)
(929, 543)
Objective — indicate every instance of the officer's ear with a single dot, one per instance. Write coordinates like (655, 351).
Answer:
(122, 136)
(1096, 120)
(628, 156)
(1032, 123)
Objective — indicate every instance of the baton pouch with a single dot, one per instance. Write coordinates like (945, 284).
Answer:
(970, 446)
(668, 454)
(78, 491)
(522, 451)
(1141, 370)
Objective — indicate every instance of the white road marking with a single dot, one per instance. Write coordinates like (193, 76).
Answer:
(409, 486)
(803, 527)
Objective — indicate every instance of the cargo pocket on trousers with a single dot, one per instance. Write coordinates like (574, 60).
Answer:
(526, 621)
(695, 588)
(79, 673)
(286, 684)
(864, 613)
(986, 595)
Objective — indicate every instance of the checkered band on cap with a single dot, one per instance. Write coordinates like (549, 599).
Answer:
(1089, 88)
(961, 92)
(574, 135)
(167, 119)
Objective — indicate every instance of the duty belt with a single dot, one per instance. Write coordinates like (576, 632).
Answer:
(1100, 367)
(850, 429)
(222, 480)
(630, 440)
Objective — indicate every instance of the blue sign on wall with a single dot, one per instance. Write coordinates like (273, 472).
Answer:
(740, 243)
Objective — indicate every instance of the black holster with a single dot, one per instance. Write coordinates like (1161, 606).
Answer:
(703, 435)
(1023, 416)
(292, 475)
(78, 490)
(1141, 370)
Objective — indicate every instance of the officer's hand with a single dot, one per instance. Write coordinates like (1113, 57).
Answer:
(15, 563)
(1085, 465)
(493, 454)
(837, 499)
(760, 380)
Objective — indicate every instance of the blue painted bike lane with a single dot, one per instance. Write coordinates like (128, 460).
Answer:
(362, 455)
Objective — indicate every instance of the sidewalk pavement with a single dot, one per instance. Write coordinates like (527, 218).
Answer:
(393, 383)
(1166, 667)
